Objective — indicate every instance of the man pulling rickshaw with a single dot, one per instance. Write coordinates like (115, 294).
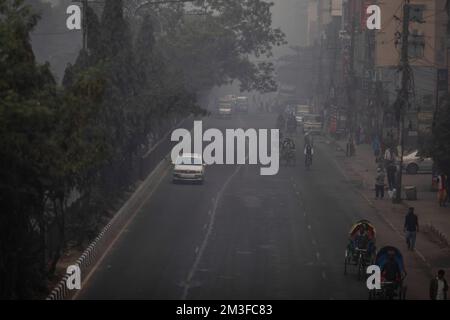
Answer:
(390, 261)
(360, 252)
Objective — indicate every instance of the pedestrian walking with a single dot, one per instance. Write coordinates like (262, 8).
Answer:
(350, 147)
(411, 228)
(447, 185)
(391, 168)
(358, 135)
(439, 287)
(379, 184)
(376, 147)
(442, 190)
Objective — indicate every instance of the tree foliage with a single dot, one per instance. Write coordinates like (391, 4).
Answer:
(218, 41)
(82, 141)
(30, 171)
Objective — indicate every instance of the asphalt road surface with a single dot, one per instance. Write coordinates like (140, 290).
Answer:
(246, 236)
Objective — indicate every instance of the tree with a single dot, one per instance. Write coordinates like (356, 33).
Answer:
(219, 42)
(30, 166)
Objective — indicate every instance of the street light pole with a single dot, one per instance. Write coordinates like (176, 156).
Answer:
(403, 102)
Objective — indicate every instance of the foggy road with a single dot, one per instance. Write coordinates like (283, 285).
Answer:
(245, 236)
(94, 195)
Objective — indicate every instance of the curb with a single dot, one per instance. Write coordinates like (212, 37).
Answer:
(94, 251)
(439, 234)
(91, 255)
(382, 216)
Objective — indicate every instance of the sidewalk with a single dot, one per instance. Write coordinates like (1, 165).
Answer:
(433, 245)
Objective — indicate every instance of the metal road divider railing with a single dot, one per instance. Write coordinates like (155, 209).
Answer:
(96, 249)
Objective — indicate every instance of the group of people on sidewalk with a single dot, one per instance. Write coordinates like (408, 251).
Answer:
(386, 166)
(386, 160)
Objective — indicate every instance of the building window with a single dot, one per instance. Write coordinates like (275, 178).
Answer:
(416, 45)
(416, 12)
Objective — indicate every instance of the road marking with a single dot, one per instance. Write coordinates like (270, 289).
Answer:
(318, 255)
(113, 242)
(196, 250)
(193, 270)
(324, 275)
(314, 242)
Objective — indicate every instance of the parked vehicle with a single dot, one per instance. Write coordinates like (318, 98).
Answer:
(414, 163)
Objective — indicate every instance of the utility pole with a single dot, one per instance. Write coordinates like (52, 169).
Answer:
(351, 71)
(84, 21)
(320, 69)
(403, 101)
(85, 24)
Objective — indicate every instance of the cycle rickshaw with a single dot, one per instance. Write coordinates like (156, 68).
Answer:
(390, 261)
(360, 251)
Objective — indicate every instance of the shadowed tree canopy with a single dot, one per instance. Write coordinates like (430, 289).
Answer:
(31, 169)
(217, 41)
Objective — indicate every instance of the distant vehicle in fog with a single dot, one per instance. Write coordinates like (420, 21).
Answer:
(312, 123)
(226, 106)
(189, 167)
(242, 104)
(300, 112)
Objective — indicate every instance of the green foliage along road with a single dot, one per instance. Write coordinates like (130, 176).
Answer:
(143, 67)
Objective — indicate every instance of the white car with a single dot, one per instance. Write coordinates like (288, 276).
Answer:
(414, 163)
(189, 167)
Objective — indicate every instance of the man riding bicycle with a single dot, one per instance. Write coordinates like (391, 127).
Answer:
(363, 241)
(288, 144)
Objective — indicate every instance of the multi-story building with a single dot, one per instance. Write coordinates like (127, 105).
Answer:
(368, 76)
(427, 57)
(322, 35)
